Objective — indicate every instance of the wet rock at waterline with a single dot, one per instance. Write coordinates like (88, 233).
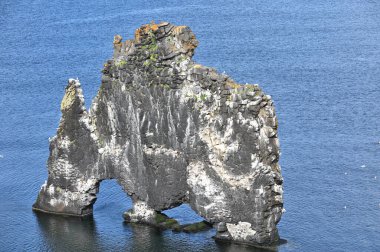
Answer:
(170, 131)
(162, 221)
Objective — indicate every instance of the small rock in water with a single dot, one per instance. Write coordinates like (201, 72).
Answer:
(345, 207)
(345, 173)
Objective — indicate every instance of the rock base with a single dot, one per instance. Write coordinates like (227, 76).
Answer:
(163, 222)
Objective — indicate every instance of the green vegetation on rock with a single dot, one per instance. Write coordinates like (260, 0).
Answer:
(196, 227)
(121, 63)
(171, 222)
(164, 85)
(151, 47)
(160, 218)
(164, 221)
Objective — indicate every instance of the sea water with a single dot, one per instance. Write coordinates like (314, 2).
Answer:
(319, 60)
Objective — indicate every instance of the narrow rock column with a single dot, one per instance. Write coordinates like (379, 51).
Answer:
(69, 188)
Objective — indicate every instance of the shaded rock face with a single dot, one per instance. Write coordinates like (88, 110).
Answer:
(170, 131)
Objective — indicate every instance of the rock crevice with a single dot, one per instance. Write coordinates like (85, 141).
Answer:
(170, 131)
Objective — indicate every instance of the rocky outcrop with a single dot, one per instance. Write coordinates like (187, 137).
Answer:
(170, 131)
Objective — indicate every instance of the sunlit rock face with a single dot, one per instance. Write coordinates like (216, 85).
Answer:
(170, 131)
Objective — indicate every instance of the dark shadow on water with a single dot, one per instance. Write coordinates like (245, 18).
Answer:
(145, 238)
(63, 233)
(232, 247)
(151, 239)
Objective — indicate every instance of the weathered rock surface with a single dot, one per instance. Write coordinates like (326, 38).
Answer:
(170, 131)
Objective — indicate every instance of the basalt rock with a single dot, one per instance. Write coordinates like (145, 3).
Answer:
(170, 131)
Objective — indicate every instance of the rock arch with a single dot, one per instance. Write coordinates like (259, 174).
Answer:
(170, 131)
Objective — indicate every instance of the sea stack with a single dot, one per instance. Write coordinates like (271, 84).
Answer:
(170, 131)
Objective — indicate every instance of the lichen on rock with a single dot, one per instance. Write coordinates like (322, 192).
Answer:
(170, 131)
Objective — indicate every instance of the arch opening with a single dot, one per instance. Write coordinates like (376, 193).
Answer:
(189, 220)
(111, 200)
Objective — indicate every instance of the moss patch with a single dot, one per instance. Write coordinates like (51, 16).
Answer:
(163, 221)
(164, 85)
(196, 227)
(170, 223)
(69, 98)
(160, 218)
(121, 63)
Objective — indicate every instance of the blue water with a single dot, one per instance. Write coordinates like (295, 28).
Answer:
(320, 61)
